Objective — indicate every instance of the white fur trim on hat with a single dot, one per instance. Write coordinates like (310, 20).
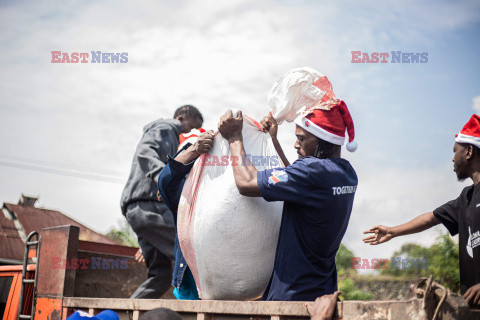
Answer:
(463, 138)
(317, 131)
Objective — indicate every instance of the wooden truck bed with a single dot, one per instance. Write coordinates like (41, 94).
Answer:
(66, 283)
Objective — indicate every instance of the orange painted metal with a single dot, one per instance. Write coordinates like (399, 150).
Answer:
(13, 300)
(17, 268)
(49, 309)
(11, 308)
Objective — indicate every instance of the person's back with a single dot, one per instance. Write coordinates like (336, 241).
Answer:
(150, 157)
(315, 218)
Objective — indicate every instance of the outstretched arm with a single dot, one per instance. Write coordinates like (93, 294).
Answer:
(383, 234)
(270, 125)
(244, 171)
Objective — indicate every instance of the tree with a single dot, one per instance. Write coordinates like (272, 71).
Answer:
(440, 260)
(445, 262)
(124, 235)
(350, 292)
(343, 260)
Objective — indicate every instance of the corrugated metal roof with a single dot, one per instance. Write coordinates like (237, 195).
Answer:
(36, 219)
(11, 244)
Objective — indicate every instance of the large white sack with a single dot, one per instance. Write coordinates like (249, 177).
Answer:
(229, 240)
(295, 91)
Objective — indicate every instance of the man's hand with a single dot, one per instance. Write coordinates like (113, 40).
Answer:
(270, 125)
(204, 142)
(381, 234)
(230, 127)
(473, 295)
(139, 256)
(323, 307)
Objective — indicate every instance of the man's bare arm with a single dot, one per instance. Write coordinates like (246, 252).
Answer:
(244, 171)
(383, 234)
(203, 145)
(270, 125)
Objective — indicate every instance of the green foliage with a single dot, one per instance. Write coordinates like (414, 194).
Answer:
(343, 260)
(350, 292)
(445, 262)
(124, 235)
(420, 256)
(441, 262)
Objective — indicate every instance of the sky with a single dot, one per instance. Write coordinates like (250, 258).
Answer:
(68, 131)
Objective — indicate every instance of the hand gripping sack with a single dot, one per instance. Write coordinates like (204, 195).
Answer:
(229, 240)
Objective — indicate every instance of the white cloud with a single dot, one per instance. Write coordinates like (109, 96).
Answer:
(476, 104)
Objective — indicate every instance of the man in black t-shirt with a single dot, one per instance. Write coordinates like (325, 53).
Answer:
(460, 216)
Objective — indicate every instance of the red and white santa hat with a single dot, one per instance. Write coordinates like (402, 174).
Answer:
(471, 132)
(329, 118)
(189, 137)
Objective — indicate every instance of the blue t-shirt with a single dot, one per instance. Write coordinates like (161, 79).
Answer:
(318, 198)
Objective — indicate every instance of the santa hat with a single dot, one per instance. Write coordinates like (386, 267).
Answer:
(190, 137)
(328, 118)
(471, 132)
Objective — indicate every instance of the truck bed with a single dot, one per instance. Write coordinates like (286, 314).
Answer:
(112, 275)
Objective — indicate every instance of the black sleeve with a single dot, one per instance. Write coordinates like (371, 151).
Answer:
(448, 215)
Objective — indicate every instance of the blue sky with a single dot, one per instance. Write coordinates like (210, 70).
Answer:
(87, 119)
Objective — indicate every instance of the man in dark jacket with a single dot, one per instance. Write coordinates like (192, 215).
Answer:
(149, 218)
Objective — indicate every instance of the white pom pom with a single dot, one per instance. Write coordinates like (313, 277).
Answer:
(352, 146)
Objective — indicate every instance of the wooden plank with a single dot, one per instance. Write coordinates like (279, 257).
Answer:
(203, 316)
(267, 308)
(276, 310)
(136, 315)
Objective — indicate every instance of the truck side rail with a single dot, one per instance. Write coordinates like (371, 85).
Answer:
(132, 309)
(190, 309)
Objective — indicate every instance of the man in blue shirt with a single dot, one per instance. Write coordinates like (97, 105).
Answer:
(318, 191)
(170, 185)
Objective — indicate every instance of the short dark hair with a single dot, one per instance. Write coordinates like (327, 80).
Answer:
(324, 149)
(160, 314)
(476, 150)
(189, 111)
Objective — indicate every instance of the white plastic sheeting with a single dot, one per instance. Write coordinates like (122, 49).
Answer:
(295, 91)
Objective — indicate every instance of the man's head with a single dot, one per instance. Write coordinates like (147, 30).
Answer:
(160, 314)
(309, 145)
(189, 117)
(327, 121)
(464, 157)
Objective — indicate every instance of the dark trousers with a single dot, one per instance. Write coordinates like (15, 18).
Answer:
(153, 223)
